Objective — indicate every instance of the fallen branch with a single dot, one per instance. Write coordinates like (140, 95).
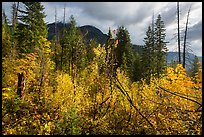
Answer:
(131, 102)
(176, 94)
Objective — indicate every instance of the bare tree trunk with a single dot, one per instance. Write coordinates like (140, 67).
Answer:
(73, 73)
(21, 84)
(56, 40)
(185, 36)
(179, 52)
(42, 73)
(64, 15)
(14, 14)
(63, 36)
(61, 58)
(17, 10)
(14, 25)
(152, 49)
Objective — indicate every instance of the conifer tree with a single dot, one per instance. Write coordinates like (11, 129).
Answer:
(124, 46)
(6, 37)
(137, 66)
(90, 53)
(160, 46)
(154, 54)
(14, 12)
(32, 38)
(64, 47)
(32, 26)
(73, 48)
(148, 55)
(195, 67)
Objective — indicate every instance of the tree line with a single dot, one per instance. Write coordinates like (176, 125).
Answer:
(71, 50)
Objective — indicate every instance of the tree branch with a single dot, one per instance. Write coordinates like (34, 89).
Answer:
(176, 94)
(129, 99)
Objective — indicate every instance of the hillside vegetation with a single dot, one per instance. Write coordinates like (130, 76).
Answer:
(62, 86)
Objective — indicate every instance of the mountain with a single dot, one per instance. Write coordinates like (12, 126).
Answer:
(89, 32)
(173, 56)
(137, 48)
(51, 29)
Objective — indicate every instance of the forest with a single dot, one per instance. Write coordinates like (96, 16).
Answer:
(65, 86)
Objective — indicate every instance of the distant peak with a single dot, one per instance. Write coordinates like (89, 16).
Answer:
(88, 26)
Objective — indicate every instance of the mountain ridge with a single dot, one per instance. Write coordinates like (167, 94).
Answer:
(88, 31)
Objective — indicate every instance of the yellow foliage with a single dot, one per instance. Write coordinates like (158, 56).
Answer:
(93, 103)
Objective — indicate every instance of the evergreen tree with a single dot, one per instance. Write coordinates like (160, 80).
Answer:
(64, 56)
(124, 42)
(137, 67)
(34, 17)
(195, 67)
(73, 48)
(14, 40)
(6, 37)
(7, 50)
(154, 54)
(160, 46)
(124, 62)
(89, 49)
(130, 61)
(173, 63)
(124, 46)
(148, 55)
(31, 36)
(109, 39)
(32, 27)
(56, 52)
(78, 49)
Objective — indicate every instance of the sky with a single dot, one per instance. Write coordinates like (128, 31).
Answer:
(135, 16)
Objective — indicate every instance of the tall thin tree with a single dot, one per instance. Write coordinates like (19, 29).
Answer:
(153, 46)
(14, 14)
(63, 33)
(185, 37)
(56, 39)
(179, 52)
(160, 46)
(64, 15)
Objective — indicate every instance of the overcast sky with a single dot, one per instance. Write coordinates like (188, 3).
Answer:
(135, 16)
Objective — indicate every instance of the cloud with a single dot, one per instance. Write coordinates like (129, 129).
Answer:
(195, 32)
(135, 16)
(118, 12)
(6, 6)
